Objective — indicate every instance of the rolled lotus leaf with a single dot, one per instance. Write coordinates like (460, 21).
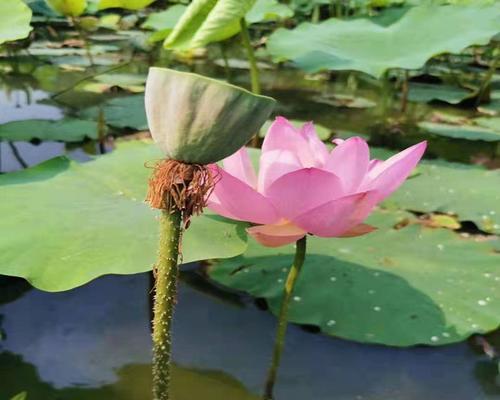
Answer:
(199, 120)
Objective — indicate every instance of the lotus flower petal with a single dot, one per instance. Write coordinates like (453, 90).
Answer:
(316, 146)
(199, 120)
(303, 190)
(274, 164)
(387, 176)
(282, 135)
(338, 216)
(276, 235)
(349, 161)
(235, 199)
(240, 166)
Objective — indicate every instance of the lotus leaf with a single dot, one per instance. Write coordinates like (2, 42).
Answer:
(362, 45)
(430, 286)
(207, 21)
(69, 224)
(15, 17)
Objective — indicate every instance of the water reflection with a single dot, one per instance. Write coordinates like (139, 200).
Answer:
(84, 341)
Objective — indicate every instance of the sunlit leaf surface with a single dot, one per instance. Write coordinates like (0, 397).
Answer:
(362, 45)
(67, 228)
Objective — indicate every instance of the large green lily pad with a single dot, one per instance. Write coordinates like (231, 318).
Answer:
(90, 220)
(207, 21)
(15, 17)
(472, 193)
(425, 92)
(121, 112)
(65, 130)
(429, 286)
(468, 131)
(362, 45)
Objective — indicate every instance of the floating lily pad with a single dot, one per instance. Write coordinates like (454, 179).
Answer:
(122, 112)
(344, 100)
(106, 82)
(15, 17)
(491, 108)
(468, 132)
(429, 286)
(90, 220)
(426, 92)
(65, 130)
(469, 192)
(362, 45)
(490, 123)
(50, 49)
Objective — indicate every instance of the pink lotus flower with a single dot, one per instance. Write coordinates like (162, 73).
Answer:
(302, 187)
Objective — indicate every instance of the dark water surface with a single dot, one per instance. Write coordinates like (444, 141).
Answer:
(93, 342)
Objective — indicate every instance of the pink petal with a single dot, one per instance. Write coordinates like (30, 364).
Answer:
(349, 161)
(302, 190)
(234, 199)
(338, 141)
(276, 235)
(338, 216)
(274, 164)
(240, 166)
(373, 163)
(386, 177)
(316, 146)
(282, 135)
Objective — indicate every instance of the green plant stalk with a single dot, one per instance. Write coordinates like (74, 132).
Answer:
(405, 91)
(83, 36)
(487, 79)
(316, 14)
(279, 342)
(254, 69)
(167, 270)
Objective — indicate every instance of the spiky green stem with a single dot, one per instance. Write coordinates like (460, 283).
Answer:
(167, 271)
(279, 342)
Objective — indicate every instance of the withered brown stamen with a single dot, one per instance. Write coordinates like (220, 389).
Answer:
(178, 186)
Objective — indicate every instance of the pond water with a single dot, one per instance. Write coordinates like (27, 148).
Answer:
(93, 342)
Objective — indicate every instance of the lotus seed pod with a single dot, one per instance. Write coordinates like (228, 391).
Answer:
(199, 120)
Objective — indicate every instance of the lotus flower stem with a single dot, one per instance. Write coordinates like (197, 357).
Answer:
(487, 78)
(254, 69)
(405, 91)
(279, 343)
(167, 270)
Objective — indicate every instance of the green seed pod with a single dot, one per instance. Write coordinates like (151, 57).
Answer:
(198, 120)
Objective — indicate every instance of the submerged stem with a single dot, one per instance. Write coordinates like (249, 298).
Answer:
(279, 342)
(167, 271)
